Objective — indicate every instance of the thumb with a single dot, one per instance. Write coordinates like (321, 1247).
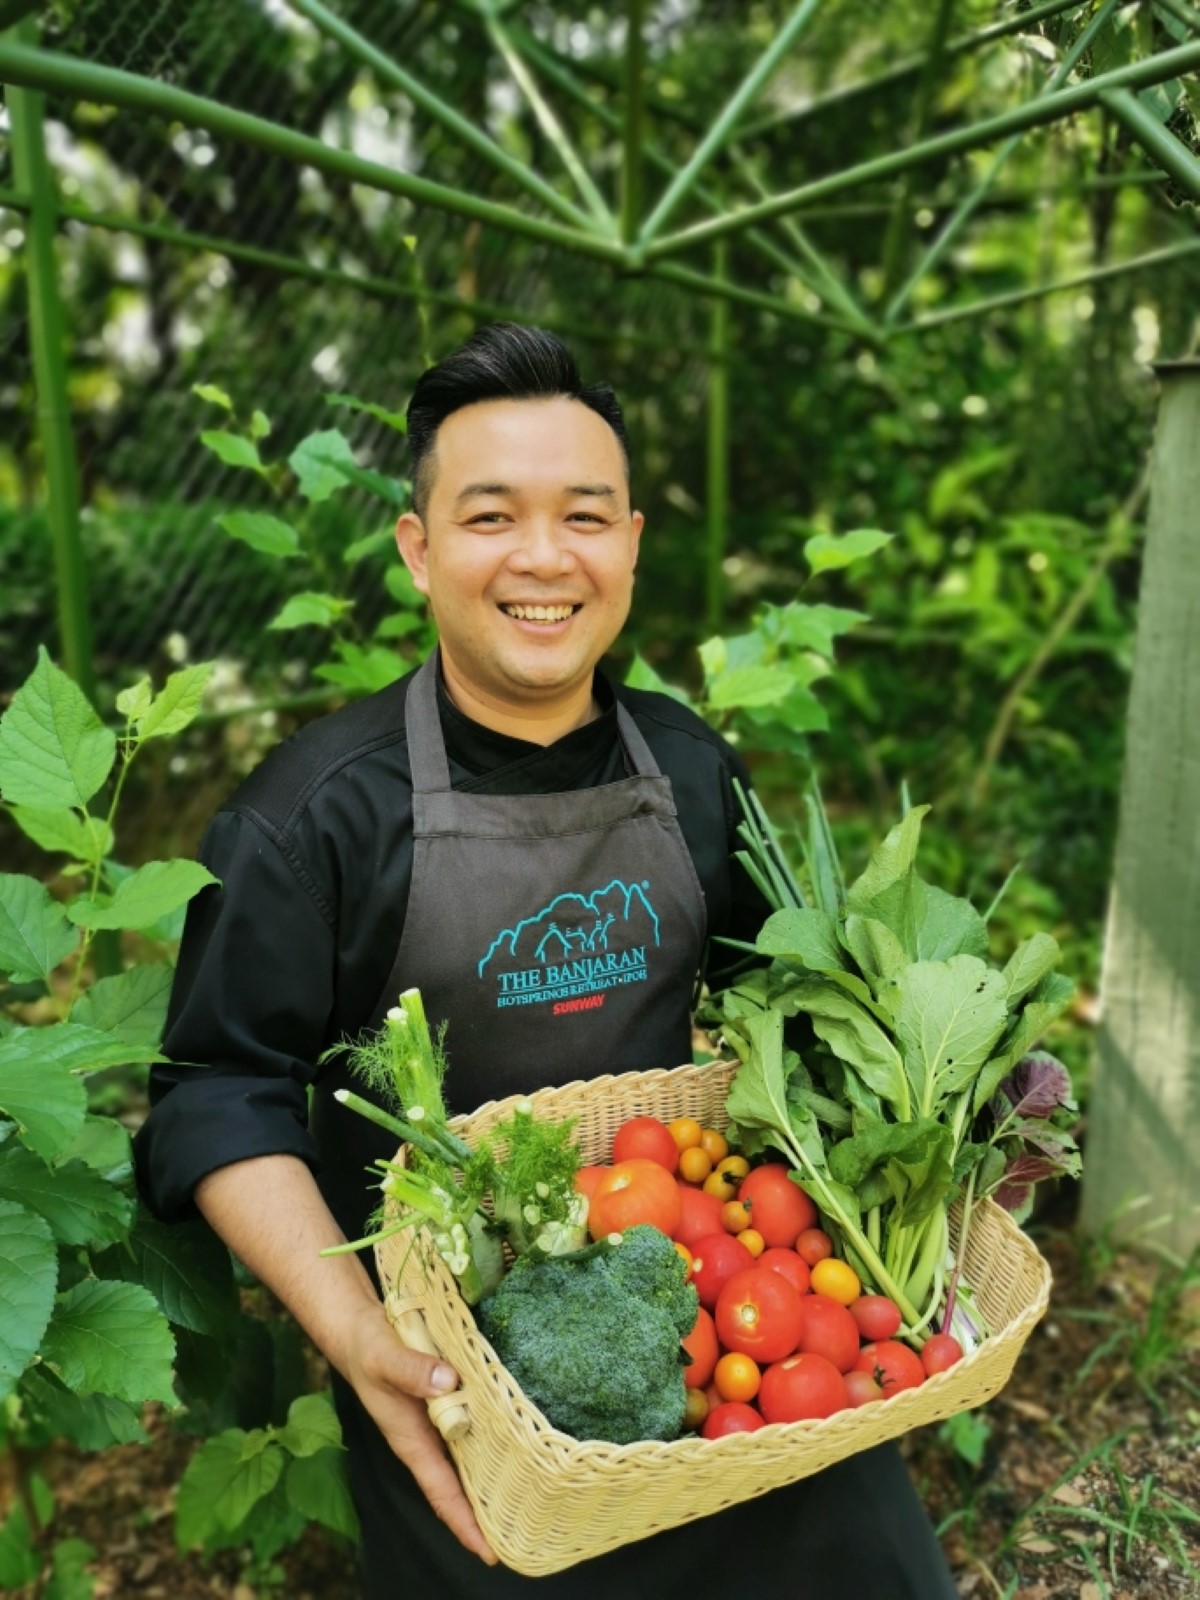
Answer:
(418, 1374)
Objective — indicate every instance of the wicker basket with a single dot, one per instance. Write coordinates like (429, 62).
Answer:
(545, 1500)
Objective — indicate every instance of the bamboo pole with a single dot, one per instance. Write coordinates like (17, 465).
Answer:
(48, 343)
(717, 498)
(1035, 113)
(632, 158)
(1144, 1105)
(727, 118)
(1157, 141)
(49, 70)
(970, 203)
(1081, 280)
(390, 72)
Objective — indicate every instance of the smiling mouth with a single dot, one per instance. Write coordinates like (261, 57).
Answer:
(543, 614)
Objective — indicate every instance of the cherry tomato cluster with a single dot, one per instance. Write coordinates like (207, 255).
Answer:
(784, 1331)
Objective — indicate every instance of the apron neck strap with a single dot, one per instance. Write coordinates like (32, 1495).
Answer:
(427, 744)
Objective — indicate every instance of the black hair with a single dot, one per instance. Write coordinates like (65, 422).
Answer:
(502, 361)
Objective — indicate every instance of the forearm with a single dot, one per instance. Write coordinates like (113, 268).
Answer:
(271, 1214)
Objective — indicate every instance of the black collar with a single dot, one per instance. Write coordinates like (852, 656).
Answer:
(479, 755)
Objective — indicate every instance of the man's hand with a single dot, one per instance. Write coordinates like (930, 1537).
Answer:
(393, 1383)
(270, 1213)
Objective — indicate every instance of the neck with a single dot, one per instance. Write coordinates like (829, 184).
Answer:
(538, 722)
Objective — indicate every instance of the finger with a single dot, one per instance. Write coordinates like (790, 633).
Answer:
(438, 1481)
(414, 1373)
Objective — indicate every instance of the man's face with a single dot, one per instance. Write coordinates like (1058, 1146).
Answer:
(527, 548)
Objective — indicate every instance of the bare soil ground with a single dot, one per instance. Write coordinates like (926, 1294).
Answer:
(1087, 1486)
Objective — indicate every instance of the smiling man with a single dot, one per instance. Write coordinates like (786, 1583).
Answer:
(546, 858)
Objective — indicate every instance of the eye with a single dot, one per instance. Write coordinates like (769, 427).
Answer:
(586, 516)
(488, 517)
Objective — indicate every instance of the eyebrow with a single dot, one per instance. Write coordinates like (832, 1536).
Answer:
(595, 491)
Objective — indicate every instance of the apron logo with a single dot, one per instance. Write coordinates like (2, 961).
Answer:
(573, 949)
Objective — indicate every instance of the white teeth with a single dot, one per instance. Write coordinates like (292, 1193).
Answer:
(539, 613)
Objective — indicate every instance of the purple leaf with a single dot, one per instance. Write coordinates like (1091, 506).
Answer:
(1038, 1085)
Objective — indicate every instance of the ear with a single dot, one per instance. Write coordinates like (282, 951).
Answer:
(413, 544)
(637, 522)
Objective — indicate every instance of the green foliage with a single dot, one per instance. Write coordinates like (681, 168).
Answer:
(263, 1486)
(323, 465)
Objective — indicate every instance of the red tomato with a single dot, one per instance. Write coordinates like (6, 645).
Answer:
(877, 1316)
(862, 1388)
(939, 1352)
(699, 1216)
(759, 1314)
(828, 1330)
(715, 1259)
(701, 1345)
(731, 1416)
(801, 1386)
(893, 1366)
(779, 1208)
(791, 1266)
(813, 1245)
(587, 1178)
(646, 1139)
(633, 1192)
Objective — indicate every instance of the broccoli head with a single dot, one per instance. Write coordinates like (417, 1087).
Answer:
(594, 1338)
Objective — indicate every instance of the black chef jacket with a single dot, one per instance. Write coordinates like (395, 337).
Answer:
(287, 956)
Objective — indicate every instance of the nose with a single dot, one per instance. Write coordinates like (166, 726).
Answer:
(543, 550)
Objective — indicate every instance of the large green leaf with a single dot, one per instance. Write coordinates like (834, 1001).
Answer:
(748, 686)
(145, 896)
(79, 1205)
(311, 1425)
(35, 934)
(65, 832)
(857, 1039)
(949, 1015)
(890, 862)
(28, 1278)
(38, 1088)
(103, 1144)
(804, 935)
(948, 925)
(1028, 965)
(851, 1160)
(222, 1484)
(185, 1267)
(361, 669)
(874, 947)
(54, 750)
(318, 1487)
(262, 532)
(317, 462)
(92, 1421)
(131, 1005)
(111, 1338)
(641, 675)
(177, 705)
(1050, 998)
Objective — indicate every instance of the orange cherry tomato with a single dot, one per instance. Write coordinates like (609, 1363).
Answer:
(753, 1241)
(694, 1164)
(735, 1217)
(723, 1184)
(715, 1143)
(837, 1279)
(737, 1165)
(686, 1133)
(737, 1376)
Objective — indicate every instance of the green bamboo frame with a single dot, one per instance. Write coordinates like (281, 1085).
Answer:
(629, 235)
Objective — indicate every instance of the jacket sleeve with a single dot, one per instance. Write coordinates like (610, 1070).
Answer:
(249, 1015)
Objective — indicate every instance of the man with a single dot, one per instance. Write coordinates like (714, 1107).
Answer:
(451, 833)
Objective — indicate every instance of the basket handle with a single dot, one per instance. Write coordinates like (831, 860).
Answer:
(447, 1412)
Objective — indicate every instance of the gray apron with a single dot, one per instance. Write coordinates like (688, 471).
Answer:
(558, 935)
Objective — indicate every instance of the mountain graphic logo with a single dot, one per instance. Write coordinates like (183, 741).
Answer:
(575, 924)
